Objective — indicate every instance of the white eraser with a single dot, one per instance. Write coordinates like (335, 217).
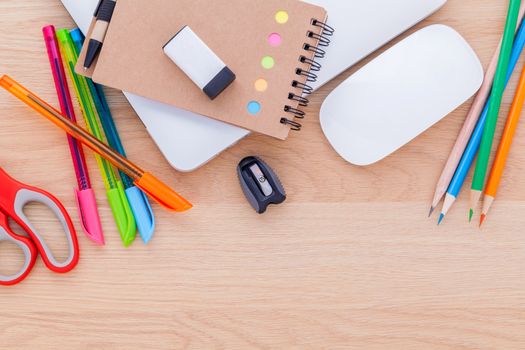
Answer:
(199, 62)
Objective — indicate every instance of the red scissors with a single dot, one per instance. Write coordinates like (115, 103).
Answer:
(14, 196)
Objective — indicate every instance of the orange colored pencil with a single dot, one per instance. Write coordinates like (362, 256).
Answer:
(504, 148)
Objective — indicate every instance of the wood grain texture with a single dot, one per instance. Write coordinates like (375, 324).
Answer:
(349, 262)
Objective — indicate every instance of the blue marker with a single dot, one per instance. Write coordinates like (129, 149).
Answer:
(475, 140)
(137, 199)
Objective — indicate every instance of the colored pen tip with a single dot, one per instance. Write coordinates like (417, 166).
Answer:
(441, 217)
(431, 211)
(482, 220)
(470, 215)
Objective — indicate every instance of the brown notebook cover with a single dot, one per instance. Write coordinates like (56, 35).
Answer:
(238, 31)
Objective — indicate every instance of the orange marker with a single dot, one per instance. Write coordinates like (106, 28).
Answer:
(153, 187)
(504, 148)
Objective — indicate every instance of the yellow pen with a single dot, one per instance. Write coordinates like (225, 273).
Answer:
(114, 188)
(153, 187)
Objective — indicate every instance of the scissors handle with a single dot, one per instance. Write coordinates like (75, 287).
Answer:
(25, 245)
(29, 194)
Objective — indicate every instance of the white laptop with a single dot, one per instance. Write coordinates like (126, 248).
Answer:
(362, 26)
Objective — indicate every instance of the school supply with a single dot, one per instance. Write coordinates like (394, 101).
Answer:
(467, 159)
(140, 206)
(361, 30)
(467, 129)
(504, 148)
(400, 94)
(199, 62)
(114, 189)
(260, 184)
(103, 15)
(87, 203)
(485, 149)
(148, 183)
(272, 50)
(14, 197)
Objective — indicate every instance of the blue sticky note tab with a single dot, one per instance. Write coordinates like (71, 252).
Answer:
(142, 211)
(254, 107)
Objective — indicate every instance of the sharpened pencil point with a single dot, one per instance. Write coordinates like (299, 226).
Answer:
(470, 215)
(431, 211)
(441, 217)
(482, 220)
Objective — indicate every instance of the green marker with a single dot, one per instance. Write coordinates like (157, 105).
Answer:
(114, 189)
(498, 88)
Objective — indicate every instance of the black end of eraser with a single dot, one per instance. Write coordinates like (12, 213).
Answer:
(218, 84)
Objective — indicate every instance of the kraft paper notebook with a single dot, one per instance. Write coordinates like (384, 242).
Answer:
(271, 45)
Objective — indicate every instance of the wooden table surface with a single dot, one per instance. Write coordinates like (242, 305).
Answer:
(349, 262)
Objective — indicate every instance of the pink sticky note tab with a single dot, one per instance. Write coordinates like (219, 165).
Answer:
(275, 39)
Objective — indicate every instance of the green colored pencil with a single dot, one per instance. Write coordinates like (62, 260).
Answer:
(485, 149)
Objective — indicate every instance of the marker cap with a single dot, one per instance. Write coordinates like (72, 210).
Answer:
(89, 217)
(122, 213)
(142, 211)
(162, 194)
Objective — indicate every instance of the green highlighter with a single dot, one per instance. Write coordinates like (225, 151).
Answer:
(478, 181)
(114, 188)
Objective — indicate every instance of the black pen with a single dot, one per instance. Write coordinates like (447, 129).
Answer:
(103, 14)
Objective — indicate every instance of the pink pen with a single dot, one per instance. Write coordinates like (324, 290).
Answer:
(87, 204)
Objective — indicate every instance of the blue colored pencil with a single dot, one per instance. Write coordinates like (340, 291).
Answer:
(473, 146)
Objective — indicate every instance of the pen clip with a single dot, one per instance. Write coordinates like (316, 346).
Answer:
(89, 217)
(122, 213)
(142, 211)
(95, 14)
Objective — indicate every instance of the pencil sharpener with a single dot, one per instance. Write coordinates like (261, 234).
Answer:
(260, 184)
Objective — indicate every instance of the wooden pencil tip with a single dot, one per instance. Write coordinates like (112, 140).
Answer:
(470, 215)
(482, 220)
(431, 211)
(441, 217)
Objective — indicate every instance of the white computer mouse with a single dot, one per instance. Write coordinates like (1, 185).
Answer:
(400, 94)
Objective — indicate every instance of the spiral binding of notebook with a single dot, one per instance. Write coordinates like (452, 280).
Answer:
(323, 40)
